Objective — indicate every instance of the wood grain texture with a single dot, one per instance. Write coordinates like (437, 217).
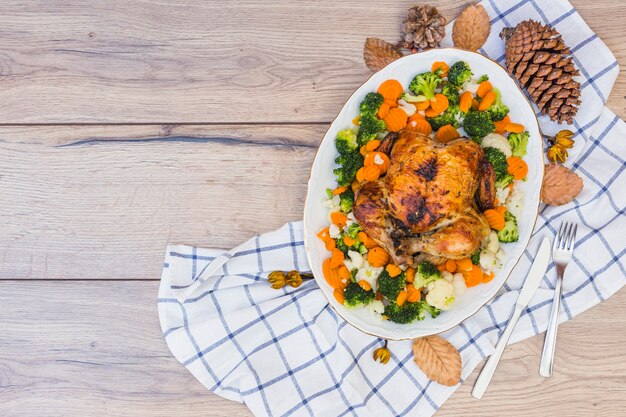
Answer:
(95, 348)
(102, 202)
(175, 61)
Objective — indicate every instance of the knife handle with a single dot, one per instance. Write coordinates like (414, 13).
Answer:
(492, 363)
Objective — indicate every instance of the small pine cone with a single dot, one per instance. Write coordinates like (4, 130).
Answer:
(539, 59)
(423, 28)
(293, 278)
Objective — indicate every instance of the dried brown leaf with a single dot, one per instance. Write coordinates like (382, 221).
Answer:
(438, 359)
(560, 185)
(377, 53)
(471, 28)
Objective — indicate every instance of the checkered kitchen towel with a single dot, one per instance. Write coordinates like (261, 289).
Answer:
(285, 352)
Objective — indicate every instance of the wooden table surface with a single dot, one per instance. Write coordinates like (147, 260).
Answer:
(125, 125)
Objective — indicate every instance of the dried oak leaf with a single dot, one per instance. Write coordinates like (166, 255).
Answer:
(377, 53)
(438, 359)
(560, 185)
(471, 28)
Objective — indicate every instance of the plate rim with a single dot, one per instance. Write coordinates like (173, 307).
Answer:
(305, 233)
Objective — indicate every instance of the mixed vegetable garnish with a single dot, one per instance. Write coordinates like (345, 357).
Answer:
(445, 103)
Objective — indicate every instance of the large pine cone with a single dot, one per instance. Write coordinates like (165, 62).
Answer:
(423, 28)
(537, 56)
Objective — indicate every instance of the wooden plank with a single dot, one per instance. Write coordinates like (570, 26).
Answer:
(195, 61)
(95, 348)
(102, 202)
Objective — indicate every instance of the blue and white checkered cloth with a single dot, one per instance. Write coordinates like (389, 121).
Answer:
(285, 352)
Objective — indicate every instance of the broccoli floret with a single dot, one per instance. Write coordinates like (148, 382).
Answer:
(518, 142)
(346, 200)
(475, 258)
(354, 230)
(425, 84)
(426, 272)
(403, 314)
(425, 307)
(459, 73)
(349, 165)
(498, 110)
(412, 99)
(371, 103)
(478, 124)
(346, 141)
(451, 93)
(370, 127)
(354, 295)
(510, 232)
(341, 245)
(482, 78)
(390, 287)
(448, 117)
(497, 159)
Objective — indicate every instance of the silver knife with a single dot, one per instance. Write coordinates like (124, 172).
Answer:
(536, 273)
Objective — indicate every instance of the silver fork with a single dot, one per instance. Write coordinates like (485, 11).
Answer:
(561, 254)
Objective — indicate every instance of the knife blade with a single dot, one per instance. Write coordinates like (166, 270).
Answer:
(533, 279)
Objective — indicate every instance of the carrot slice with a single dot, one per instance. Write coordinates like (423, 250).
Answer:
(409, 275)
(422, 105)
(393, 270)
(348, 240)
(487, 101)
(390, 89)
(340, 190)
(483, 89)
(440, 65)
(377, 257)
(383, 110)
(402, 297)
(338, 294)
(450, 266)
(372, 145)
(474, 276)
(336, 258)
(440, 103)
(414, 294)
(420, 125)
(338, 218)
(365, 285)
(495, 219)
(517, 167)
(465, 101)
(371, 173)
(464, 264)
(447, 133)
(514, 127)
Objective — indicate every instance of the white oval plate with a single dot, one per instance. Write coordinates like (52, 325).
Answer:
(316, 216)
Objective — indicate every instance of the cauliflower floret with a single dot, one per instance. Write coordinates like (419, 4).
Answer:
(470, 86)
(502, 194)
(489, 262)
(408, 108)
(493, 244)
(376, 306)
(514, 202)
(334, 231)
(495, 140)
(459, 284)
(332, 204)
(356, 258)
(369, 274)
(440, 294)
(447, 276)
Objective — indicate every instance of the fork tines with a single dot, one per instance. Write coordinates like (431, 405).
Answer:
(566, 236)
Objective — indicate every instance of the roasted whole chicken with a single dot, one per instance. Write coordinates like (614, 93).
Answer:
(427, 206)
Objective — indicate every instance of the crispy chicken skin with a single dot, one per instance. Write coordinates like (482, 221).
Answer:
(427, 203)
